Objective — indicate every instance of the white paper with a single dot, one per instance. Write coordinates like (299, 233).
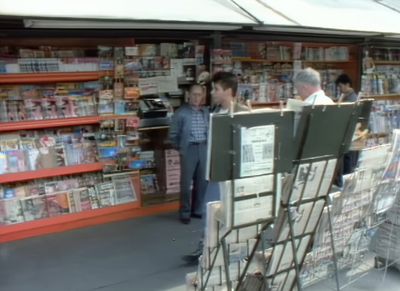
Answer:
(287, 257)
(252, 210)
(295, 104)
(300, 182)
(314, 179)
(167, 84)
(253, 185)
(289, 281)
(211, 239)
(315, 215)
(257, 150)
(246, 233)
(327, 178)
(300, 217)
(274, 261)
(148, 86)
(249, 210)
(278, 282)
(172, 171)
(176, 68)
(302, 248)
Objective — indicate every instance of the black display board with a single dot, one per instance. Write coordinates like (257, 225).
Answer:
(224, 143)
(327, 130)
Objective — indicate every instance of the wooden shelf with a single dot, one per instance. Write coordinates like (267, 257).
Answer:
(309, 61)
(259, 104)
(112, 117)
(51, 172)
(71, 221)
(383, 97)
(33, 78)
(48, 123)
(387, 62)
(252, 60)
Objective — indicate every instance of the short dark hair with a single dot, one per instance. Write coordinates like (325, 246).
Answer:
(226, 80)
(343, 79)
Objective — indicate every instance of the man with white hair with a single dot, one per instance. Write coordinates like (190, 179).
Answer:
(308, 85)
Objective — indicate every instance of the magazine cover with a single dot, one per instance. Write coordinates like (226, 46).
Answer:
(84, 199)
(149, 184)
(124, 189)
(57, 203)
(106, 102)
(172, 171)
(3, 163)
(16, 161)
(34, 208)
(94, 199)
(12, 210)
(78, 200)
(106, 194)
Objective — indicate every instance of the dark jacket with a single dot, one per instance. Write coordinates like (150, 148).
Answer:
(181, 126)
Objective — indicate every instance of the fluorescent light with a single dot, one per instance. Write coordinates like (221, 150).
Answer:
(104, 24)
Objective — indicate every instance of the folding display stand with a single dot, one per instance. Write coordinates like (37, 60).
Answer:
(313, 154)
(238, 159)
(376, 194)
(315, 166)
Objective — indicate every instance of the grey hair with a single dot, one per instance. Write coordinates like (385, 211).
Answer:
(308, 76)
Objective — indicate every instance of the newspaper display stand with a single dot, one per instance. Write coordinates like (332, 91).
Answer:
(306, 160)
(358, 213)
(304, 198)
(387, 239)
(355, 227)
(246, 152)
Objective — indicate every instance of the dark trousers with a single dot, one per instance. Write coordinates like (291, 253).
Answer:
(193, 169)
(346, 165)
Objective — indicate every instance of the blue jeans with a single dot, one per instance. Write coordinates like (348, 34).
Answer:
(193, 163)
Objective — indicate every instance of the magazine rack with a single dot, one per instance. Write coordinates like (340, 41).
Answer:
(238, 159)
(310, 157)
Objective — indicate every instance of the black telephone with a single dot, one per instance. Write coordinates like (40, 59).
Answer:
(151, 108)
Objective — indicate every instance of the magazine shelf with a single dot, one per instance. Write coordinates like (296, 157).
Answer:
(31, 86)
(326, 61)
(116, 117)
(52, 77)
(51, 172)
(267, 61)
(387, 62)
(82, 219)
(153, 127)
(48, 123)
(252, 60)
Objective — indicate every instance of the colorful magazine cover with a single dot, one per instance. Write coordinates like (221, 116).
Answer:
(57, 204)
(12, 211)
(149, 184)
(34, 208)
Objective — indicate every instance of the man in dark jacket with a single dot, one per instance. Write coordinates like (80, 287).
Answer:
(188, 134)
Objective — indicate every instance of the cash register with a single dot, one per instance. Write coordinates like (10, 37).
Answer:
(153, 112)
